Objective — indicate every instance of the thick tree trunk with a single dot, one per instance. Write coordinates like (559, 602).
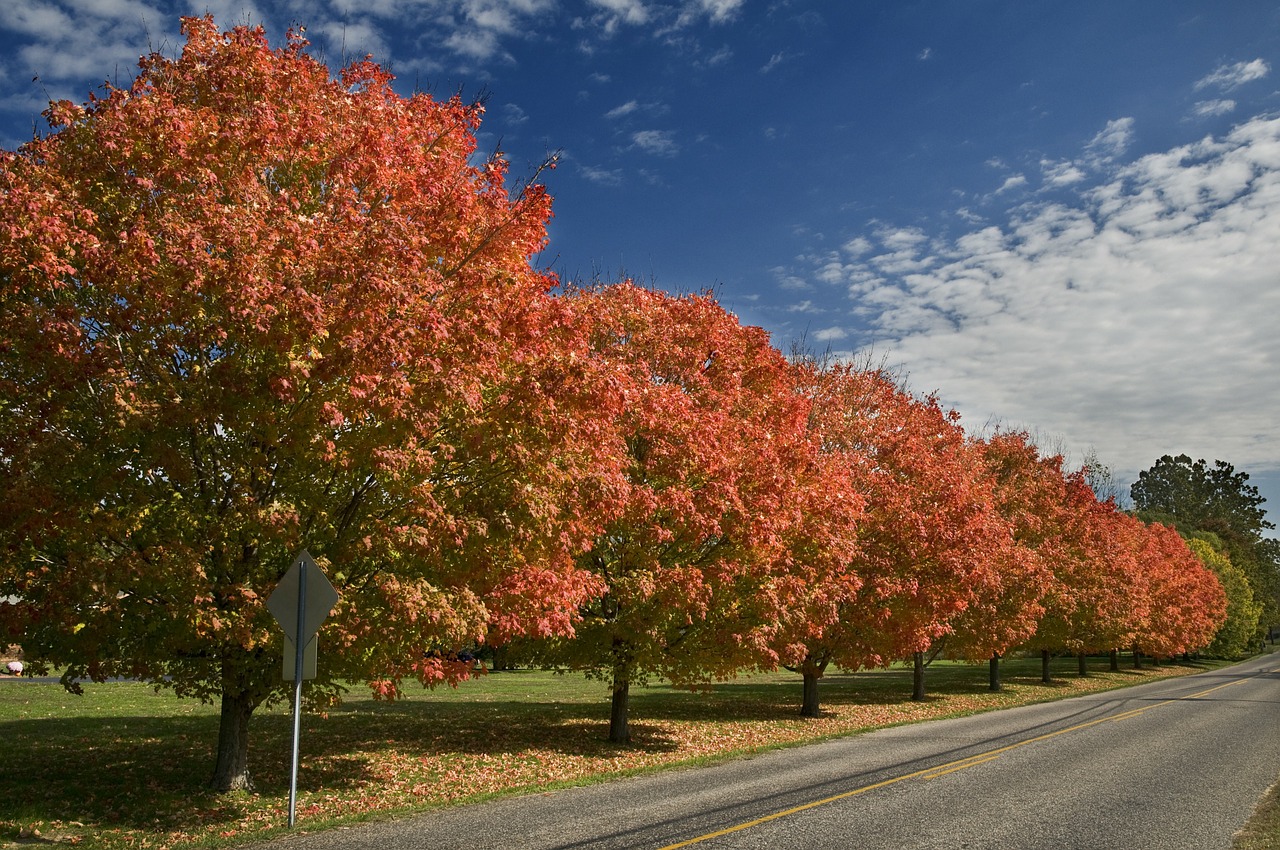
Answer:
(621, 689)
(1082, 665)
(1137, 658)
(1115, 660)
(618, 731)
(810, 706)
(231, 773)
(917, 677)
(1044, 667)
(994, 673)
(812, 671)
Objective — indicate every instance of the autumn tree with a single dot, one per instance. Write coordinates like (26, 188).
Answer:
(1026, 491)
(714, 463)
(247, 308)
(930, 537)
(1186, 603)
(1090, 603)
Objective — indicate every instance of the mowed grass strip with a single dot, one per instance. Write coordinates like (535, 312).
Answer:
(123, 766)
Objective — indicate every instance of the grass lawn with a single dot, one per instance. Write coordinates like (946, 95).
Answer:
(123, 766)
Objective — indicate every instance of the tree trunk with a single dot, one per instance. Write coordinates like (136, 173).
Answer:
(810, 706)
(812, 671)
(1044, 667)
(1115, 660)
(917, 677)
(231, 773)
(618, 731)
(994, 673)
(621, 688)
(1137, 658)
(1082, 665)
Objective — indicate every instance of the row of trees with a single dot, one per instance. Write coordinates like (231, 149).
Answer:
(246, 308)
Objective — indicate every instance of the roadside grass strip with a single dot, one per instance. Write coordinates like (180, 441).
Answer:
(123, 766)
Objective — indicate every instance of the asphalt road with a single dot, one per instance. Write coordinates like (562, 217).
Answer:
(1169, 765)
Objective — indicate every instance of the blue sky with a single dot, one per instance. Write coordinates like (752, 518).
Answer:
(1063, 217)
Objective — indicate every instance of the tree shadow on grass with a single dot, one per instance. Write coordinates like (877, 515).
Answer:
(149, 772)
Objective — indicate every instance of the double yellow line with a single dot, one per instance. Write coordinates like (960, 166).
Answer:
(943, 769)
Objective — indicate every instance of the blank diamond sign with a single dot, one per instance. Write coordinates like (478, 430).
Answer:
(302, 600)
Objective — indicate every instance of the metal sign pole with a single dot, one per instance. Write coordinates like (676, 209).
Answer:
(300, 610)
(299, 648)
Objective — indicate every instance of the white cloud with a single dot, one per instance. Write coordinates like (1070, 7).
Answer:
(858, 246)
(1211, 108)
(1017, 181)
(1112, 141)
(601, 176)
(657, 142)
(830, 334)
(716, 11)
(788, 281)
(621, 111)
(1228, 77)
(626, 11)
(356, 38)
(1061, 173)
(1133, 318)
(514, 114)
(774, 61)
(901, 238)
(43, 20)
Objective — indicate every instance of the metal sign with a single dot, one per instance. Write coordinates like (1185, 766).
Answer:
(309, 654)
(301, 602)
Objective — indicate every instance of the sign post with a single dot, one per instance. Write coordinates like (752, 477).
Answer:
(300, 602)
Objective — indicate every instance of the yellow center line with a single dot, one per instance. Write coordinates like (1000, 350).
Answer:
(970, 763)
(937, 770)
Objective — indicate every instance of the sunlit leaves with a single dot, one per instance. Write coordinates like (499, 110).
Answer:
(246, 309)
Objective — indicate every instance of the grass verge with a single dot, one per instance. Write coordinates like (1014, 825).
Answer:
(123, 766)
(1262, 832)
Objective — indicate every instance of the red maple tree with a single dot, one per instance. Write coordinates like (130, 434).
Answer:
(715, 468)
(246, 308)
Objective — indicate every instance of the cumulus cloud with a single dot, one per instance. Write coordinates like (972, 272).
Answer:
(1131, 317)
(720, 11)
(788, 281)
(1061, 173)
(715, 11)
(1112, 141)
(1016, 181)
(617, 12)
(66, 43)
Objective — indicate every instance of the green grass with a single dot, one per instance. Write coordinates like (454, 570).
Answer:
(123, 766)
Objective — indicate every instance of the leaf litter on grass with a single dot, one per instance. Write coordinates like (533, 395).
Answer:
(141, 785)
